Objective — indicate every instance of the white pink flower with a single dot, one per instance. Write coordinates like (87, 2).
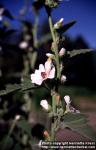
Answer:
(69, 108)
(63, 78)
(46, 71)
(44, 104)
(67, 99)
(62, 52)
(23, 45)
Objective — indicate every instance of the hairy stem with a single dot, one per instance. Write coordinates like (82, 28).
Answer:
(55, 46)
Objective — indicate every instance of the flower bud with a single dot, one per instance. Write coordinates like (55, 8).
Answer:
(62, 52)
(49, 55)
(44, 104)
(17, 117)
(23, 45)
(46, 134)
(63, 78)
(57, 98)
(59, 24)
(67, 99)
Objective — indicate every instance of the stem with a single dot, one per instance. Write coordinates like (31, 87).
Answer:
(53, 121)
(55, 46)
(58, 76)
(35, 31)
(10, 132)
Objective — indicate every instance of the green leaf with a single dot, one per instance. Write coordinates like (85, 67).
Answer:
(10, 88)
(7, 142)
(78, 123)
(25, 126)
(24, 86)
(45, 39)
(65, 27)
(17, 147)
(78, 52)
(33, 58)
(27, 85)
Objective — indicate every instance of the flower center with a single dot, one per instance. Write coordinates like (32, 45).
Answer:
(43, 74)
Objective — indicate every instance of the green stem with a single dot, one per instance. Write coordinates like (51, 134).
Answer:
(35, 28)
(53, 121)
(10, 132)
(55, 46)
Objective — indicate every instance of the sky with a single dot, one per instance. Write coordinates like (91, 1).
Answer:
(83, 11)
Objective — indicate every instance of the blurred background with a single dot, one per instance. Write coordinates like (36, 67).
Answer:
(20, 54)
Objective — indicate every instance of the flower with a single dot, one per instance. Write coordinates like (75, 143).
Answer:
(67, 99)
(44, 104)
(59, 24)
(69, 108)
(46, 134)
(17, 117)
(44, 72)
(63, 78)
(49, 55)
(23, 45)
(62, 52)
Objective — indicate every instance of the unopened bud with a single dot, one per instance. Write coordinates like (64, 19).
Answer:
(63, 78)
(59, 24)
(58, 99)
(23, 45)
(50, 55)
(17, 117)
(46, 134)
(62, 52)
(44, 104)
(67, 99)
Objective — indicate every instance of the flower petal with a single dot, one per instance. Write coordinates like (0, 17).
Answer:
(41, 68)
(36, 78)
(48, 64)
(52, 73)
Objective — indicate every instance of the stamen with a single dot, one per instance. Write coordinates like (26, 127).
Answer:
(43, 74)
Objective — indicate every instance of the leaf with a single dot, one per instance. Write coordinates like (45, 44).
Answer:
(33, 58)
(25, 126)
(8, 14)
(10, 88)
(78, 52)
(65, 27)
(38, 4)
(27, 85)
(45, 39)
(17, 147)
(7, 142)
(78, 123)
(10, 32)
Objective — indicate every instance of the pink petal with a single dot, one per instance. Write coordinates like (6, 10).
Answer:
(52, 73)
(41, 68)
(48, 66)
(36, 77)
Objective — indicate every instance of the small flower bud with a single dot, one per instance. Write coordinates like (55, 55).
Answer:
(59, 24)
(57, 98)
(17, 117)
(62, 52)
(50, 55)
(23, 45)
(44, 104)
(67, 99)
(46, 134)
(63, 78)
